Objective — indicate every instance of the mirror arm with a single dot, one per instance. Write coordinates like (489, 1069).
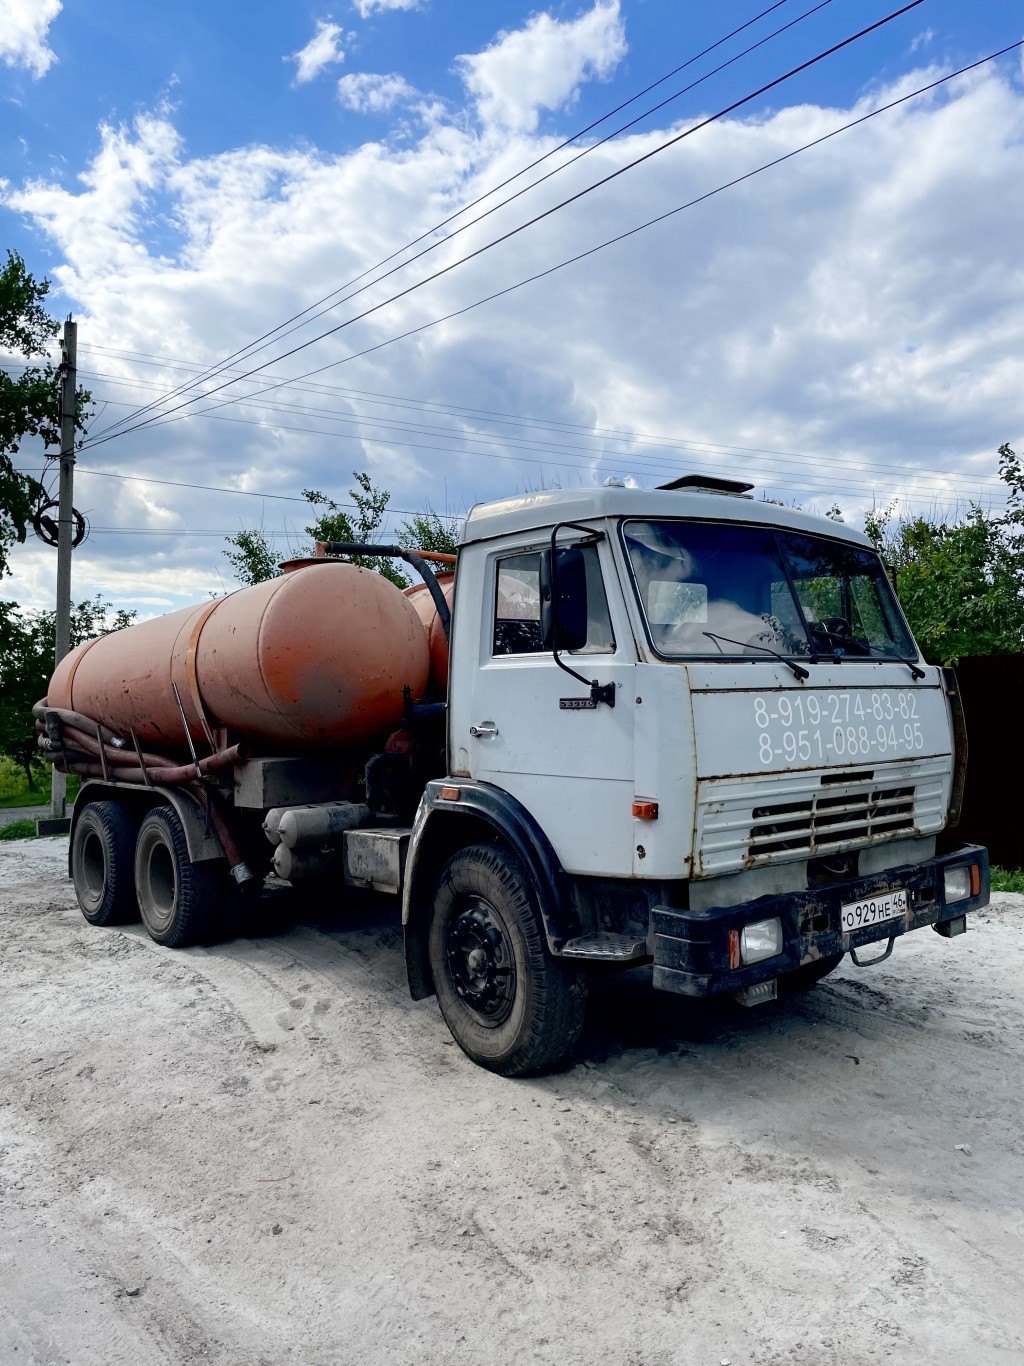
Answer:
(598, 692)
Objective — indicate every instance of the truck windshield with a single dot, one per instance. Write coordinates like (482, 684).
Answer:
(718, 589)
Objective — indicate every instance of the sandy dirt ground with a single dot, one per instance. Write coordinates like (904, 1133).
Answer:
(262, 1152)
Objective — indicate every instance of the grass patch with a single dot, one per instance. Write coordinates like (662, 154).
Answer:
(28, 796)
(1007, 880)
(18, 830)
(37, 796)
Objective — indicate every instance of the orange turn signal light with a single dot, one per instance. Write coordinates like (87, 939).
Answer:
(734, 949)
(645, 811)
(450, 794)
(975, 879)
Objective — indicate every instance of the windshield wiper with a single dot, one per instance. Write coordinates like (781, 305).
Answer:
(879, 652)
(842, 642)
(798, 669)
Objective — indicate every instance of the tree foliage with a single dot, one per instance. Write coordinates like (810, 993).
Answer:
(428, 531)
(29, 400)
(253, 558)
(27, 644)
(961, 579)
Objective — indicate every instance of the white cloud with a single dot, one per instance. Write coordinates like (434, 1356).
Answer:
(367, 7)
(367, 93)
(24, 25)
(322, 50)
(863, 303)
(541, 66)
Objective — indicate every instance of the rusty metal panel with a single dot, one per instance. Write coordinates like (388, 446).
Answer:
(264, 783)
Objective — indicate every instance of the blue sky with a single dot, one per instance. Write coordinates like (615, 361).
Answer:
(222, 65)
(845, 327)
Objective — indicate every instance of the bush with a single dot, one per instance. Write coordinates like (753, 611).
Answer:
(18, 830)
(12, 778)
(1007, 880)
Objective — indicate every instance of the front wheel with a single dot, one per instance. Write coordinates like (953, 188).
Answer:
(510, 1005)
(180, 901)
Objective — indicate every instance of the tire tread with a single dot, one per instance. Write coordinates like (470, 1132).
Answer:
(557, 998)
(117, 828)
(199, 886)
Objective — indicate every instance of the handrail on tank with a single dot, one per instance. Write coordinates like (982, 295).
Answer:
(396, 552)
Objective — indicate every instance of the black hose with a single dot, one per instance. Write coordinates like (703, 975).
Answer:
(398, 552)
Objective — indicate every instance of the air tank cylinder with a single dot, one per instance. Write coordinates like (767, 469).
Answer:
(317, 826)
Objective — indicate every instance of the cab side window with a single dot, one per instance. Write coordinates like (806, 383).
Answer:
(517, 610)
(517, 628)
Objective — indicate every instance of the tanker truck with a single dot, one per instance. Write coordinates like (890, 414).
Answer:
(675, 728)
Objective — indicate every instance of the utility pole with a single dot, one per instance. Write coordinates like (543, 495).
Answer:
(65, 526)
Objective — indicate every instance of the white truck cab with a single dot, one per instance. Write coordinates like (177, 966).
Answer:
(700, 729)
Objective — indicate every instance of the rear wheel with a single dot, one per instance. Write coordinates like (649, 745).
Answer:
(510, 1005)
(180, 901)
(809, 974)
(103, 862)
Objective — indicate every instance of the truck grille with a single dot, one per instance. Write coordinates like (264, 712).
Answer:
(820, 822)
(784, 815)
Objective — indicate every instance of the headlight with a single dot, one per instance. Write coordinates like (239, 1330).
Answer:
(957, 884)
(761, 940)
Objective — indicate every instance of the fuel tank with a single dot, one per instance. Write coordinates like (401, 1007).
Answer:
(319, 655)
(419, 596)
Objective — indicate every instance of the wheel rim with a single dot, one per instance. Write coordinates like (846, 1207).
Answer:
(162, 883)
(93, 869)
(481, 961)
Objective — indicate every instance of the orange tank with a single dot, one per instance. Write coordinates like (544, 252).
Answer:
(419, 596)
(321, 654)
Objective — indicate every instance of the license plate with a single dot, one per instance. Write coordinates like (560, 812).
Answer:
(873, 909)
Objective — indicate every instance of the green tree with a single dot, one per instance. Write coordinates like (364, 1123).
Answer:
(27, 642)
(961, 579)
(428, 531)
(29, 401)
(253, 558)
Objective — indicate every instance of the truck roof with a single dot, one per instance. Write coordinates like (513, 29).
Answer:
(528, 511)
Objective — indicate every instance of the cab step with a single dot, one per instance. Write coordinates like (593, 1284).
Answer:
(606, 947)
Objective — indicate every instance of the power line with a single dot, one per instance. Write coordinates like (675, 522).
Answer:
(251, 347)
(547, 213)
(681, 443)
(831, 488)
(612, 241)
(711, 454)
(787, 156)
(626, 462)
(250, 493)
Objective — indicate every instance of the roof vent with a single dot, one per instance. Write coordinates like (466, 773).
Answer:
(709, 483)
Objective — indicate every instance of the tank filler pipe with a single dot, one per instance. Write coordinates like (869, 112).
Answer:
(396, 552)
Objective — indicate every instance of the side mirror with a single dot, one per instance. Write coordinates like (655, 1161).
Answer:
(563, 600)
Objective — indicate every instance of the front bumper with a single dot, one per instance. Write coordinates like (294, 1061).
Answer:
(691, 948)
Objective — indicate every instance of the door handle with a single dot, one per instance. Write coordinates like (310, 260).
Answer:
(483, 732)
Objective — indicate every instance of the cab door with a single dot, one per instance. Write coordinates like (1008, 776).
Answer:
(520, 721)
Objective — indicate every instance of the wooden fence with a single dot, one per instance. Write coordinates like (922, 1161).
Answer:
(992, 687)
